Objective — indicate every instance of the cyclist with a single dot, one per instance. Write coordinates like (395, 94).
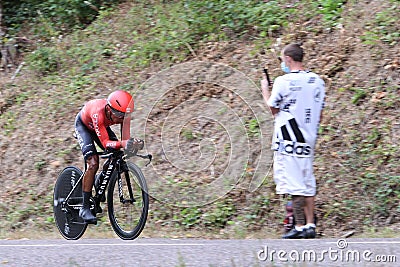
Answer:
(92, 124)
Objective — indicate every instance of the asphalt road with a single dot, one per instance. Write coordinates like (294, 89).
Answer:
(196, 252)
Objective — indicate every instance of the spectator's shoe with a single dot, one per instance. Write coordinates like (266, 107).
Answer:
(294, 234)
(310, 232)
(87, 216)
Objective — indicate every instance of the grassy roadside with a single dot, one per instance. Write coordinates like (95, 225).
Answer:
(358, 163)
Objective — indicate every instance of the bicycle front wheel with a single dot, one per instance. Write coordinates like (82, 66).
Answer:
(128, 202)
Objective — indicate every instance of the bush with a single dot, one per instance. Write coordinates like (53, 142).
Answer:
(238, 17)
(64, 14)
(44, 60)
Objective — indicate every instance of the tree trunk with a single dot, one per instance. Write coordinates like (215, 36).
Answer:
(9, 47)
(2, 33)
(3, 48)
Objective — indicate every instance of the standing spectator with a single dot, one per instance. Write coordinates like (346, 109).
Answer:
(296, 101)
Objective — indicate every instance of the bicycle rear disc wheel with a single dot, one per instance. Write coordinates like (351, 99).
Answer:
(68, 222)
(128, 217)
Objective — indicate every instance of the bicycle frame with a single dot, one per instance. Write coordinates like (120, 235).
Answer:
(63, 203)
(117, 162)
(119, 177)
(107, 175)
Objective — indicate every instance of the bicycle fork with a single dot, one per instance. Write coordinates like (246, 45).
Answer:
(131, 199)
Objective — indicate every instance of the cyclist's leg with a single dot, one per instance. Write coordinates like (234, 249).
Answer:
(95, 140)
(92, 168)
(88, 148)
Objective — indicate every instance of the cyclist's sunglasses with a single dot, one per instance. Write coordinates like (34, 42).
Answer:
(117, 113)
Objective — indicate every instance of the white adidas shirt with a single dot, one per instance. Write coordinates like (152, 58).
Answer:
(300, 97)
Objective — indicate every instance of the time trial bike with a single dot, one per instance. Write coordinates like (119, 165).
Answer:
(127, 196)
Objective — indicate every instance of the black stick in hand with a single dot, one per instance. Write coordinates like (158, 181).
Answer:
(267, 76)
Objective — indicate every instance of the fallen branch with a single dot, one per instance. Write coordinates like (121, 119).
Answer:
(191, 50)
(91, 6)
(18, 70)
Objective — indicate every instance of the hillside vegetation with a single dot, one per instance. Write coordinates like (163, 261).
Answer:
(353, 45)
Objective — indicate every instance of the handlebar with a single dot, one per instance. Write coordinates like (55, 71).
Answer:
(110, 152)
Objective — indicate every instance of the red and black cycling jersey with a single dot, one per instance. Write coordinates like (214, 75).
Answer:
(93, 115)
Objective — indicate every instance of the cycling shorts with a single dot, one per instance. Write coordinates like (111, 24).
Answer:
(87, 138)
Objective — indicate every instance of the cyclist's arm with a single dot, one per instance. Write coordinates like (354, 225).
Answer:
(126, 128)
(125, 134)
(105, 139)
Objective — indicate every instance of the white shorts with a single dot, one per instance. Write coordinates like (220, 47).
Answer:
(294, 175)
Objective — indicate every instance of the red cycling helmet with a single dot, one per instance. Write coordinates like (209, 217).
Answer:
(121, 102)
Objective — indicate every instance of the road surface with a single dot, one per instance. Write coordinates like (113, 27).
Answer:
(200, 252)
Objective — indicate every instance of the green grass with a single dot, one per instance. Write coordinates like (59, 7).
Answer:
(9, 119)
(166, 32)
(384, 26)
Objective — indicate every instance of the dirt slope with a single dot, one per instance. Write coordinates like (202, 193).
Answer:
(358, 153)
